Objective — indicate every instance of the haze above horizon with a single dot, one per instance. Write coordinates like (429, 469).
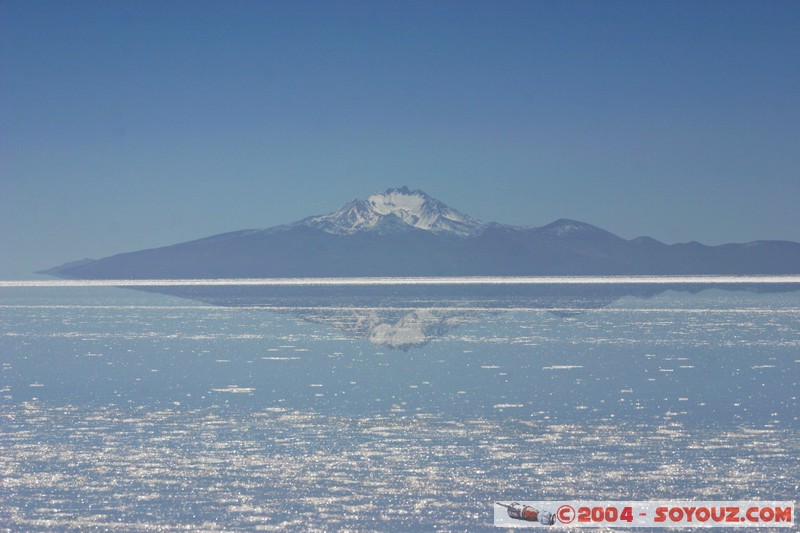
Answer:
(132, 125)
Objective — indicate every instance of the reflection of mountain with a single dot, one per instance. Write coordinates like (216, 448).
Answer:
(403, 329)
(547, 297)
(412, 315)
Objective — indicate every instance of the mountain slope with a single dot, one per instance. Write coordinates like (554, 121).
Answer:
(407, 233)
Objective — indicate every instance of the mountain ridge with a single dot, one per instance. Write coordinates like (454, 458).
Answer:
(404, 232)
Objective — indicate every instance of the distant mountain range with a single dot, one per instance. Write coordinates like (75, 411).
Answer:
(403, 232)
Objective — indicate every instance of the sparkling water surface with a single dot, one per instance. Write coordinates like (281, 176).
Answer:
(132, 410)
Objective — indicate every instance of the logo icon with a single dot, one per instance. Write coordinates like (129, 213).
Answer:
(517, 511)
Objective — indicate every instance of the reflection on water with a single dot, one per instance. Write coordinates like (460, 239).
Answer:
(393, 328)
(407, 316)
(288, 408)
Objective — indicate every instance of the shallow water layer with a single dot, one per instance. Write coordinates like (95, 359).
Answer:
(277, 467)
(130, 410)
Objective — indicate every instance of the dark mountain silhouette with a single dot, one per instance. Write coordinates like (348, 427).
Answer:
(407, 233)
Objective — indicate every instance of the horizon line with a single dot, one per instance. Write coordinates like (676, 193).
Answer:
(411, 280)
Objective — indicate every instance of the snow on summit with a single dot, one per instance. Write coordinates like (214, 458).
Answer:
(399, 201)
(396, 209)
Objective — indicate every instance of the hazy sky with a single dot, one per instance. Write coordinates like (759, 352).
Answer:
(128, 125)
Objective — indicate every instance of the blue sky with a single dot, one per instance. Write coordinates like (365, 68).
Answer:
(128, 125)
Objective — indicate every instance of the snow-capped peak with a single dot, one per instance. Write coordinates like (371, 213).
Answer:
(398, 200)
(393, 210)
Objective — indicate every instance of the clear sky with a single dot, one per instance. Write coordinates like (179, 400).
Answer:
(132, 124)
